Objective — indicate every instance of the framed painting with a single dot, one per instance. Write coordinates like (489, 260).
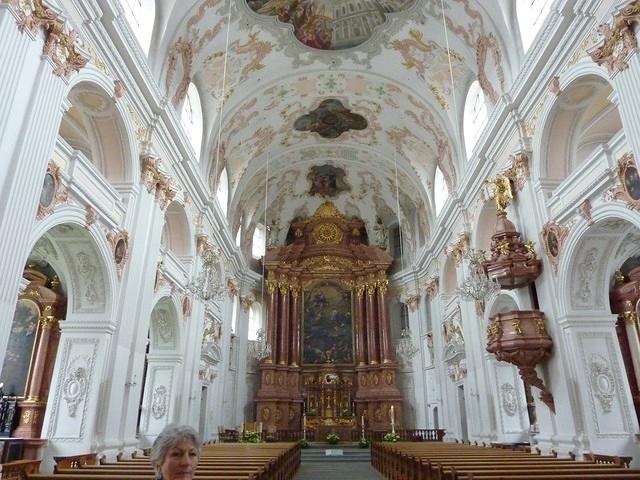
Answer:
(327, 333)
(17, 361)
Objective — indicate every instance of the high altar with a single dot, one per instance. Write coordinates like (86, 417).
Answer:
(328, 326)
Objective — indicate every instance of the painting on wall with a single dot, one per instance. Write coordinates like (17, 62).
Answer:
(15, 369)
(327, 181)
(327, 325)
(330, 24)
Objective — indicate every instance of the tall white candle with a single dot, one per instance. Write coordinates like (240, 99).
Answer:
(362, 420)
(392, 415)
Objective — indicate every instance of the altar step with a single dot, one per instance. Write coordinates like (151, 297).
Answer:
(350, 453)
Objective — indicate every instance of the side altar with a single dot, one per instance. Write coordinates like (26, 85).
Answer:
(329, 329)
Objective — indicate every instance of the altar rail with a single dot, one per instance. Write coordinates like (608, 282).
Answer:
(406, 435)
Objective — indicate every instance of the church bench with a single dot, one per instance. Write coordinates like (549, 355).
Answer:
(621, 475)
(402, 461)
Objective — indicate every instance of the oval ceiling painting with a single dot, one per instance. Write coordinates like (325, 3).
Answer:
(331, 24)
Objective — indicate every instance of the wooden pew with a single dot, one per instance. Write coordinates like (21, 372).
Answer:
(411, 461)
(276, 461)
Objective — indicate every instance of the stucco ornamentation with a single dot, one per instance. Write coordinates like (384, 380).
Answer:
(159, 402)
(509, 399)
(603, 384)
(74, 385)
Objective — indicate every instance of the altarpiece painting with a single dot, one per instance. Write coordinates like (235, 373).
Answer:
(328, 325)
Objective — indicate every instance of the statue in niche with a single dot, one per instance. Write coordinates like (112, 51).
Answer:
(273, 232)
(380, 234)
(327, 181)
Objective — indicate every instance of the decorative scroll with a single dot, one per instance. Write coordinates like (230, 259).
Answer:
(74, 386)
(619, 39)
(119, 242)
(459, 248)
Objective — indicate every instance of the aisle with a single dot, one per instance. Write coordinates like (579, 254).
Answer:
(353, 464)
(336, 470)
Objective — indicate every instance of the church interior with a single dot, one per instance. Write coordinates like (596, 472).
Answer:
(304, 221)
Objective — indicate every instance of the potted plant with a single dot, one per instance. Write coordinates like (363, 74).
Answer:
(391, 437)
(363, 443)
(304, 443)
(251, 437)
(333, 438)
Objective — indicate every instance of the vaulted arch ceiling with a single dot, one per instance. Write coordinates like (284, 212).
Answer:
(294, 78)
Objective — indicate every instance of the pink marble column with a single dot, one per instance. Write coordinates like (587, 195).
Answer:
(386, 353)
(283, 357)
(272, 319)
(361, 339)
(294, 359)
(372, 324)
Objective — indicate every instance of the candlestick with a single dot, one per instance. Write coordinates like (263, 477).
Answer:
(362, 420)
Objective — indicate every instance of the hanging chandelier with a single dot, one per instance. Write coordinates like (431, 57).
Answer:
(259, 348)
(208, 285)
(478, 286)
(405, 347)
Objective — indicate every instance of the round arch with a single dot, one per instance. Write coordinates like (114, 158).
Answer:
(105, 86)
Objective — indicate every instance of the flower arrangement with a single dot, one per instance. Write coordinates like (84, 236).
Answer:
(363, 443)
(304, 443)
(333, 438)
(391, 437)
(251, 437)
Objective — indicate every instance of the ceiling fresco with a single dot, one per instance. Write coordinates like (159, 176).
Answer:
(331, 24)
(330, 120)
(285, 83)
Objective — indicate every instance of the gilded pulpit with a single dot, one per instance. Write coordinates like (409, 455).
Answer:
(328, 325)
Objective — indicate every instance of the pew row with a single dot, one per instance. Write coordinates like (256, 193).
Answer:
(448, 461)
(218, 462)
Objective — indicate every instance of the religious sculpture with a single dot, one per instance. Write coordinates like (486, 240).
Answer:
(502, 192)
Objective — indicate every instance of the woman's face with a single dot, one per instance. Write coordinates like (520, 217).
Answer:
(180, 461)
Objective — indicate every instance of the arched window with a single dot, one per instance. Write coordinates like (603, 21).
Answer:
(192, 118)
(141, 14)
(223, 191)
(259, 238)
(475, 116)
(255, 321)
(531, 16)
(238, 237)
(440, 191)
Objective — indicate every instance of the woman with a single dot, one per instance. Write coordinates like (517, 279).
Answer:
(175, 453)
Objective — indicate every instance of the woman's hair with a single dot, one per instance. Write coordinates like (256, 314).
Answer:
(171, 435)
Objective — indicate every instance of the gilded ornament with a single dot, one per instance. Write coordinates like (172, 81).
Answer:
(500, 191)
(516, 327)
(327, 233)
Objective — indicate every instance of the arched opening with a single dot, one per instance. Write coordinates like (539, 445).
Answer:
(440, 191)
(52, 355)
(176, 236)
(449, 280)
(93, 128)
(584, 120)
(141, 16)
(255, 321)
(531, 17)
(259, 241)
(192, 118)
(475, 116)
(222, 193)
(598, 284)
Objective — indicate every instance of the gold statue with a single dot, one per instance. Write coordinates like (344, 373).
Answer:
(502, 192)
